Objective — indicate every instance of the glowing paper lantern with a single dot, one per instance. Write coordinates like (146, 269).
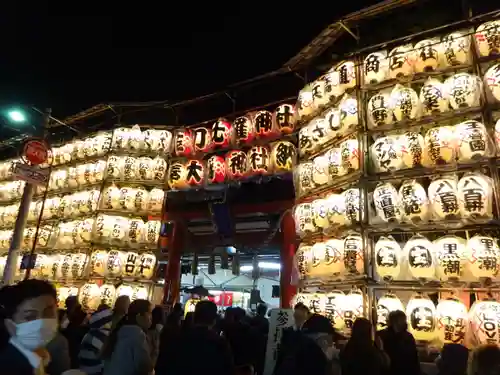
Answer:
(130, 263)
(134, 232)
(305, 102)
(145, 266)
(464, 90)
(318, 255)
(78, 265)
(124, 290)
(236, 164)
(284, 118)
(306, 144)
(302, 260)
(385, 305)
(320, 98)
(263, 122)
(334, 309)
(450, 256)
(473, 142)
(440, 145)
(222, 132)
(177, 175)
(419, 252)
(428, 54)
(443, 195)
(388, 257)
(139, 292)
(401, 61)
(475, 196)
(151, 232)
(283, 156)
(379, 109)
(216, 170)
(108, 294)
(412, 145)
(159, 166)
(404, 103)
(62, 295)
(334, 249)
(195, 173)
(304, 218)
(333, 89)
(484, 318)
(492, 81)
(353, 206)
(243, 130)
(320, 175)
(90, 296)
(484, 256)
(144, 168)
(155, 200)
(354, 254)
(414, 201)
(115, 263)
(336, 209)
(434, 97)
(130, 169)
(333, 123)
(456, 48)
(375, 68)
(183, 143)
(320, 212)
(488, 38)
(421, 314)
(451, 317)
(387, 154)
(348, 112)
(353, 308)
(202, 139)
(349, 152)
(347, 74)
(64, 271)
(158, 140)
(387, 203)
(258, 160)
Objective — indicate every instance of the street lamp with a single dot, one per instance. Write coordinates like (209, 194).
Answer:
(16, 116)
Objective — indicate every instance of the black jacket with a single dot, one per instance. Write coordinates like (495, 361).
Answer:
(304, 357)
(13, 362)
(402, 351)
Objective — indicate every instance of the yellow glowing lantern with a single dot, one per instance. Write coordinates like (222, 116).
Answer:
(124, 290)
(492, 81)
(130, 263)
(379, 109)
(401, 61)
(348, 107)
(484, 256)
(144, 168)
(145, 266)
(64, 270)
(152, 232)
(56, 261)
(130, 168)
(473, 141)
(284, 118)
(304, 219)
(108, 294)
(78, 265)
(421, 314)
(450, 256)
(283, 156)
(302, 260)
(320, 214)
(98, 263)
(487, 38)
(305, 102)
(159, 166)
(353, 308)
(135, 232)
(139, 292)
(451, 317)
(387, 204)
(443, 197)
(155, 200)
(334, 309)
(456, 48)
(434, 97)
(333, 88)
(332, 257)
(414, 201)
(177, 174)
(349, 153)
(157, 141)
(320, 98)
(404, 103)
(464, 90)
(376, 67)
(385, 305)
(353, 254)
(318, 254)
(258, 161)
(388, 256)
(420, 254)
(428, 55)
(115, 263)
(336, 209)
(90, 296)
(3, 262)
(320, 175)
(347, 74)
(62, 295)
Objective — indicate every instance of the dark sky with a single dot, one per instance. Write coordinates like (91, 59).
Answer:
(73, 57)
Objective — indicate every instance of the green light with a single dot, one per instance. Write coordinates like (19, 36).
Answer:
(16, 116)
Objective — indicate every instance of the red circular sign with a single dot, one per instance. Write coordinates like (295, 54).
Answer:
(36, 152)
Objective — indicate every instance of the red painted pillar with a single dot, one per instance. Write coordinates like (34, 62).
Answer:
(288, 246)
(173, 269)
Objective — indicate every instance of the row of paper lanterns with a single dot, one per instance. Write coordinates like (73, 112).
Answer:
(236, 165)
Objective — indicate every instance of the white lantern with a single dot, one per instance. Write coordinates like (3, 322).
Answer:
(336, 209)
(428, 54)
(349, 152)
(320, 99)
(451, 317)
(151, 233)
(385, 305)
(473, 142)
(401, 61)
(484, 318)
(353, 254)
(64, 270)
(303, 176)
(316, 303)
(318, 255)
(347, 74)
(98, 263)
(108, 294)
(353, 206)
(42, 267)
(115, 263)
(335, 166)
(130, 168)
(387, 203)
(135, 232)
(304, 219)
(306, 144)
(484, 256)
(464, 90)
(318, 131)
(353, 308)
(90, 296)
(158, 141)
(414, 201)
(305, 102)
(302, 260)
(421, 314)
(443, 196)
(56, 261)
(139, 292)
(320, 213)
(333, 123)
(386, 153)
(144, 168)
(475, 195)
(488, 38)
(320, 170)
(434, 97)
(348, 112)
(334, 249)
(333, 88)
(450, 256)
(440, 146)
(124, 290)
(420, 254)
(379, 109)
(492, 81)
(145, 266)
(78, 265)
(376, 67)
(388, 258)
(114, 167)
(130, 263)
(456, 49)
(159, 166)
(404, 103)
(334, 309)
(155, 201)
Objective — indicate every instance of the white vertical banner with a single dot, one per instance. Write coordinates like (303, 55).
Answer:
(278, 321)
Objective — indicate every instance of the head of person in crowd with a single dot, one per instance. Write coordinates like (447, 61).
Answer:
(157, 318)
(30, 313)
(485, 360)
(121, 305)
(229, 315)
(205, 314)
(300, 314)
(239, 314)
(397, 321)
(320, 329)
(177, 308)
(188, 321)
(261, 309)
(361, 333)
(453, 360)
(71, 303)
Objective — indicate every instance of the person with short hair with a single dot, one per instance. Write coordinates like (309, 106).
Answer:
(122, 304)
(300, 314)
(485, 360)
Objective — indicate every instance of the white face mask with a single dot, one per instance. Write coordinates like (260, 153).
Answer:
(36, 333)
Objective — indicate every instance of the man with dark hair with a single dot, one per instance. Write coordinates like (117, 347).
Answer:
(260, 321)
(205, 314)
(300, 315)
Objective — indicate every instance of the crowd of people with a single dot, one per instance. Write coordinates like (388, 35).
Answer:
(136, 338)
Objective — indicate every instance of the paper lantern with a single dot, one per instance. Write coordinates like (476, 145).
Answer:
(306, 144)
(320, 213)
(216, 170)
(127, 198)
(450, 256)
(236, 164)
(401, 61)
(443, 196)
(388, 256)
(404, 103)
(420, 254)
(64, 270)
(316, 303)
(353, 308)
(302, 259)
(387, 204)
(124, 290)
(158, 141)
(62, 295)
(177, 174)
(440, 145)
(353, 206)
(78, 265)
(90, 296)
(202, 139)
(386, 153)
(130, 169)
(348, 107)
(349, 152)
(320, 99)
(484, 318)
(354, 254)
(475, 196)
(135, 232)
(473, 142)
(284, 118)
(421, 314)
(464, 90)
(484, 256)
(115, 262)
(195, 173)
(379, 109)
(304, 218)
(144, 168)
(434, 97)
(334, 309)
(414, 201)
(497, 134)
(283, 156)
(492, 80)
(451, 317)
(385, 305)
(258, 160)
(41, 268)
(347, 74)
(333, 123)
(333, 88)
(56, 261)
(320, 175)
(336, 205)
(139, 292)
(152, 233)
(488, 38)
(456, 48)
(222, 133)
(159, 166)
(98, 263)
(334, 249)
(155, 201)
(145, 266)
(243, 130)
(108, 294)
(263, 122)
(428, 54)
(183, 143)
(318, 268)
(131, 259)
(375, 68)
(305, 102)
(318, 130)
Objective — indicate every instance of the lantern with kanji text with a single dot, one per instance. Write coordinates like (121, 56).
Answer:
(421, 315)
(484, 256)
(488, 38)
(388, 256)
(352, 309)
(456, 49)
(492, 80)
(90, 296)
(131, 260)
(283, 156)
(284, 118)
(139, 292)
(484, 318)
(414, 201)
(428, 54)
(115, 262)
(401, 61)
(439, 146)
(375, 67)
(443, 197)
(222, 132)
(473, 141)
(434, 97)
(305, 102)
(259, 161)
(320, 99)
(202, 140)
(464, 90)
(216, 170)
(385, 305)
(177, 175)
(304, 219)
(387, 204)
(145, 266)
(404, 103)
(195, 172)
(108, 294)
(302, 260)
(264, 126)
(183, 142)
(243, 130)
(420, 254)
(353, 254)
(450, 256)
(475, 196)
(236, 164)
(379, 109)
(452, 321)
